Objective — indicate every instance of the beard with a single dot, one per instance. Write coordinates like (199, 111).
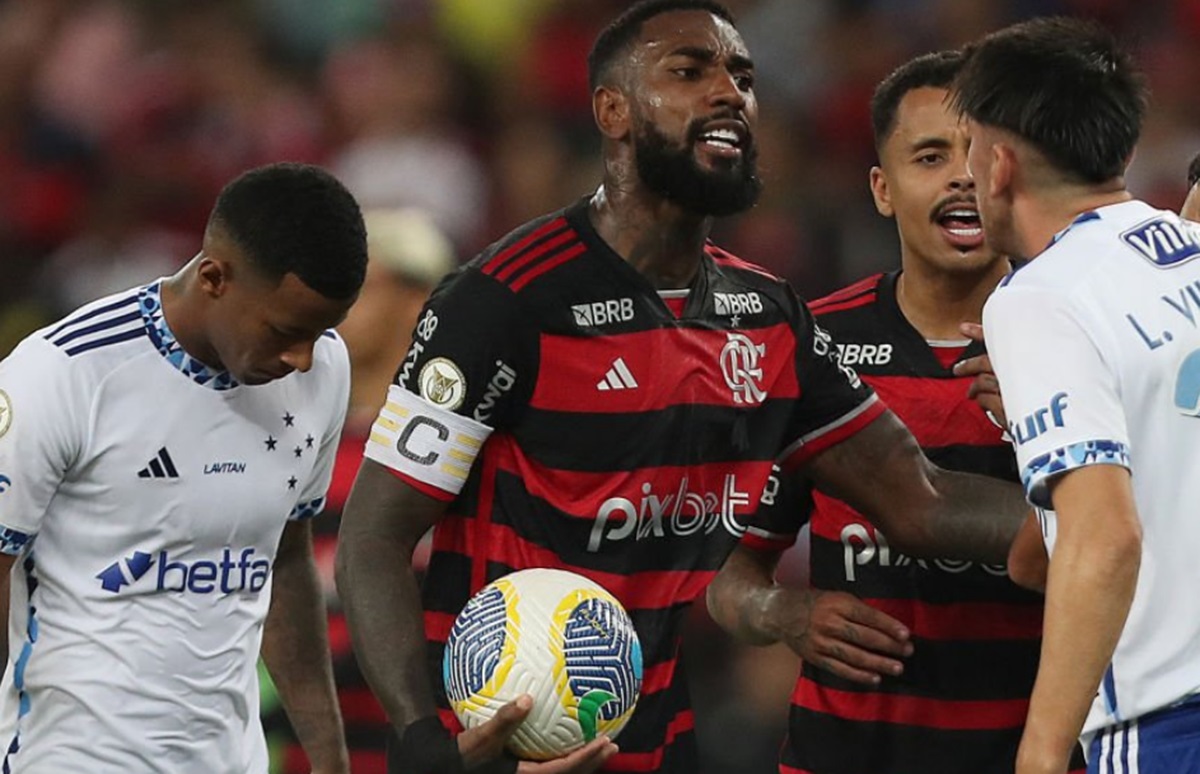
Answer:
(673, 173)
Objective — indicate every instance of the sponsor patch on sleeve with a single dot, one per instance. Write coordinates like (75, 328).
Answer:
(425, 442)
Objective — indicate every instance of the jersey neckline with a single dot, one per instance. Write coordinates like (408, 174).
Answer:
(150, 305)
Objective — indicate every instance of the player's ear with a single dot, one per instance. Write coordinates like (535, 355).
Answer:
(881, 194)
(1004, 169)
(610, 106)
(213, 275)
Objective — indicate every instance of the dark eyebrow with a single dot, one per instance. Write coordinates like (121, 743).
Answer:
(921, 143)
(736, 61)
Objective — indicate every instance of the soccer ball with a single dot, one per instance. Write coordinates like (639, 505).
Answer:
(556, 636)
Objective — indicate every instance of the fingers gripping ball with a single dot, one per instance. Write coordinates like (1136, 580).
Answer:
(556, 636)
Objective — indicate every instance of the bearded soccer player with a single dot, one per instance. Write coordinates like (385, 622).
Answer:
(891, 646)
(162, 450)
(604, 390)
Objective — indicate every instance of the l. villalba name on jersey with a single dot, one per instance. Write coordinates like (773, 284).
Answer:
(680, 513)
(233, 571)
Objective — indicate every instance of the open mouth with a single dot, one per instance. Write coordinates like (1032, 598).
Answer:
(961, 226)
(725, 139)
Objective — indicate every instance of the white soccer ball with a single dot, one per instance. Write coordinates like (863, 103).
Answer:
(556, 636)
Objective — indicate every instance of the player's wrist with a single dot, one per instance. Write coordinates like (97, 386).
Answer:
(426, 747)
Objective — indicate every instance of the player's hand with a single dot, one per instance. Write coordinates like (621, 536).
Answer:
(585, 760)
(841, 634)
(985, 389)
(485, 743)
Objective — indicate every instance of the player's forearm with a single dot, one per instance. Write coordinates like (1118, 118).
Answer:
(1091, 583)
(381, 599)
(973, 517)
(296, 652)
(743, 598)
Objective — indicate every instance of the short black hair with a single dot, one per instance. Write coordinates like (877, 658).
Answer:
(1194, 171)
(934, 70)
(1062, 84)
(623, 30)
(298, 219)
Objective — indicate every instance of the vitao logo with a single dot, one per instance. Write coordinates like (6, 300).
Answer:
(234, 571)
(682, 513)
(1035, 424)
(739, 366)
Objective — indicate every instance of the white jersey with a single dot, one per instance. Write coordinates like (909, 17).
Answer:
(1097, 347)
(144, 496)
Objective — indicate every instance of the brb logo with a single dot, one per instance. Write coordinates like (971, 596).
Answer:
(1035, 424)
(233, 571)
(682, 513)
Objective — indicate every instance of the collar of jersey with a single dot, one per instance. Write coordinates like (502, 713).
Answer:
(150, 303)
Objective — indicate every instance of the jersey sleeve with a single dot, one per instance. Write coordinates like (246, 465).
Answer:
(834, 402)
(337, 387)
(1060, 398)
(783, 509)
(470, 370)
(42, 420)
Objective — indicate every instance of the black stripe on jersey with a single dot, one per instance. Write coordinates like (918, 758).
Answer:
(886, 748)
(109, 340)
(626, 444)
(956, 671)
(75, 320)
(103, 325)
(864, 287)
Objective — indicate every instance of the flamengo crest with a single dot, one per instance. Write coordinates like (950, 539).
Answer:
(739, 365)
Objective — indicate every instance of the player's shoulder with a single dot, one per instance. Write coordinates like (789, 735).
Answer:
(741, 270)
(859, 295)
(98, 336)
(528, 253)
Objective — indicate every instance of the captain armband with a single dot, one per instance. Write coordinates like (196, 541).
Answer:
(422, 442)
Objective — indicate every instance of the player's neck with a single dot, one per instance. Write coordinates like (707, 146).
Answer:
(656, 237)
(184, 318)
(936, 303)
(1038, 218)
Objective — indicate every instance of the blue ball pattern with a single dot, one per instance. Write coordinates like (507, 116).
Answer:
(602, 653)
(474, 646)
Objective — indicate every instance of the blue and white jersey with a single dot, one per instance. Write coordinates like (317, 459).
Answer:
(144, 496)
(1097, 347)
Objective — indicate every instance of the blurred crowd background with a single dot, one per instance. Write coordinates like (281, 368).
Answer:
(120, 120)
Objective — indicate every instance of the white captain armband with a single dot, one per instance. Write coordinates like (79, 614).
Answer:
(421, 441)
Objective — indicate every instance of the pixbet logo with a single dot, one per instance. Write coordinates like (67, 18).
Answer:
(682, 513)
(862, 546)
(233, 571)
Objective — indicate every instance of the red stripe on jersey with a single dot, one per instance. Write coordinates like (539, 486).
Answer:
(360, 707)
(785, 769)
(649, 590)
(963, 621)
(873, 707)
(938, 411)
(833, 434)
(450, 721)
(549, 247)
(684, 721)
(497, 262)
(762, 543)
(421, 486)
(653, 364)
(483, 523)
(841, 306)
(438, 625)
(547, 265)
(724, 258)
(862, 286)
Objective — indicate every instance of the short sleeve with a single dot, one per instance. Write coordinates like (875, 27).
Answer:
(834, 402)
(1060, 397)
(336, 389)
(473, 351)
(42, 420)
(784, 508)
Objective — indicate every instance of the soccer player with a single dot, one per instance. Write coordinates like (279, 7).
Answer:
(896, 687)
(161, 451)
(1191, 205)
(1095, 344)
(605, 391)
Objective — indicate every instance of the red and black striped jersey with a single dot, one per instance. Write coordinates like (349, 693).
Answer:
(629, 444)
(960, 705)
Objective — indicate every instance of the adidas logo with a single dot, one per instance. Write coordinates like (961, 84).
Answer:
(128, 570)
(162, 466)
(617, 378)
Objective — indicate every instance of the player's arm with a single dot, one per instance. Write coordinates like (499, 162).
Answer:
(1089, 591)
(295, 649)
(924, 510)
(830, 629)
(1028, 563)
(6, 565)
